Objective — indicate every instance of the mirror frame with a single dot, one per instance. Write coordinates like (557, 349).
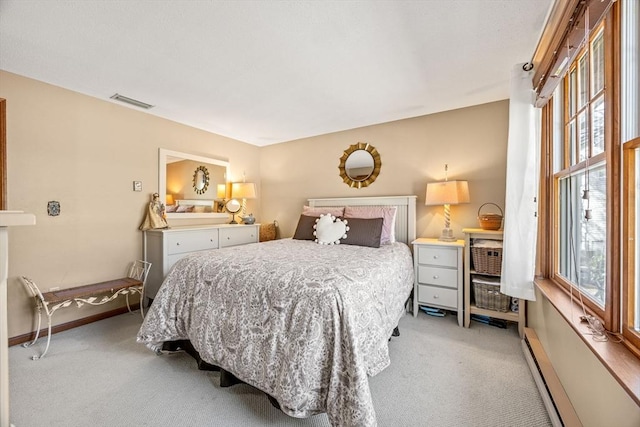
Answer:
(163, 154)
(205, 179)
(377, 164)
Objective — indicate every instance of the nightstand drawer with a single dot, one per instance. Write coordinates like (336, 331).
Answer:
(438, 276)
(438, 296)
(432, 255)
(178, 243)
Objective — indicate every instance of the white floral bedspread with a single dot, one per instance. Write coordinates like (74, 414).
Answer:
(303, 322)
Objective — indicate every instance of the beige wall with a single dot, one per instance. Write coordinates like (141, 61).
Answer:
(472, 141)
(596, 396)
(85, 153)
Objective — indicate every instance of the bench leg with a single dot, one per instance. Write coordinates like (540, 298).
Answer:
(35, 356)
(142, 302)
(29, 344)
(127, 299)
(141, 292)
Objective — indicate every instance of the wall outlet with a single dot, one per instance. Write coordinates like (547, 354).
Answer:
(137, 185)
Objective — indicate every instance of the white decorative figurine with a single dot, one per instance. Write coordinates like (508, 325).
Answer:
(155, 214)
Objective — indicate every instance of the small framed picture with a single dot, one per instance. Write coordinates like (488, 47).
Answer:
(53, 208)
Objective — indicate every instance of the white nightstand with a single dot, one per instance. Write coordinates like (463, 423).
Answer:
(438, 275)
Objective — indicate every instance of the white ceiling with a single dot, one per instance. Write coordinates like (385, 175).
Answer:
(265, 72)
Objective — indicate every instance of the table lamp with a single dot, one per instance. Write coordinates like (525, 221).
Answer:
(244, 191)
(447, 193)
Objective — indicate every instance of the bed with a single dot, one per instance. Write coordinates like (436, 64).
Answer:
(304, 322)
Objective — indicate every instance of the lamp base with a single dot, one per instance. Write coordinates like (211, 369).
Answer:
(447, 235)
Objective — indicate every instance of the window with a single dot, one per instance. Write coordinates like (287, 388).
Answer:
(580, 178)
(582, 235)
(592, 188)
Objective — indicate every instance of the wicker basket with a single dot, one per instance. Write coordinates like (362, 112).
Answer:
(490, 221)
(488, 296)
(487, 260)
(268, 231)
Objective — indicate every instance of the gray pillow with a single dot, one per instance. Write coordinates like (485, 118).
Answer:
(363, 232)
(304, 230)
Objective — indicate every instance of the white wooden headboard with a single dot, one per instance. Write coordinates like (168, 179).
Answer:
(405, 216)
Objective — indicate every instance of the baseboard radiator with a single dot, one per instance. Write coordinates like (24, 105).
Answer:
(555, 399)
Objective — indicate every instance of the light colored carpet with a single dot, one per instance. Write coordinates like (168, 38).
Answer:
(440, 375)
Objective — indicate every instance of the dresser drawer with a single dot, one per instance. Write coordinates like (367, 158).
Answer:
(191, 241)
(438, 276)
(238, 236)
(433, 255)
(430, 295)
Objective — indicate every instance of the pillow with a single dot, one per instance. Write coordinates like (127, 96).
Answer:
(387, 213)
(304, 230)
(364, 232)
(330, 230)
(170, 208)
(309, 211)
(184, 208)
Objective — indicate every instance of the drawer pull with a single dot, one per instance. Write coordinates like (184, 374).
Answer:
(435, 257)
(177, 243)
(436, 297)
(435, 276)
(228, 238)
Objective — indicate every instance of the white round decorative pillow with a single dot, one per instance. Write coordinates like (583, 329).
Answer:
(330, 230)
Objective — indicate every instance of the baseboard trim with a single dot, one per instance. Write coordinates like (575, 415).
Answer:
(559, 407)
(70, 325)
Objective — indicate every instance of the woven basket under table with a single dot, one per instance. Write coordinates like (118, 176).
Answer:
(487, 260)
(489, 297)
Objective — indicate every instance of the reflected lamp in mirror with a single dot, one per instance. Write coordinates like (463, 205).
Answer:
(169, 200)
(244, 191)
(447, 193)
(221, 191)
(221, 197)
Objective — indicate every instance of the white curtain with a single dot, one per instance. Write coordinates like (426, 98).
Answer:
(520, 216)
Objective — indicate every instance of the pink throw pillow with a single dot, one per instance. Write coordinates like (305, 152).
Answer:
(387, 213)
(317, 211)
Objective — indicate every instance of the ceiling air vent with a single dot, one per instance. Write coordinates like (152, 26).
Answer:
(131, 101)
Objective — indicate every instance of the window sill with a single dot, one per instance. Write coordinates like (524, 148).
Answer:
(623, 364)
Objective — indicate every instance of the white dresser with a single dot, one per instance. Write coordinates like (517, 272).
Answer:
(162, 248)
(438, 275)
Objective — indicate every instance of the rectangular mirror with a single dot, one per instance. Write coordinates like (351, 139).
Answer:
(190, 182)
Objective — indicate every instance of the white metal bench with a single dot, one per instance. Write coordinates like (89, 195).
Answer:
(94, 294)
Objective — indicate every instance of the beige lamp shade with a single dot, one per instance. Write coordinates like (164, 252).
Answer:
(447, 193)
(221, 191)
(243, 190)
(169, 199)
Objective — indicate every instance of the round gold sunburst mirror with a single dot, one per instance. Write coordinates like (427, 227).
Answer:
(200, 180)
(360, 165)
